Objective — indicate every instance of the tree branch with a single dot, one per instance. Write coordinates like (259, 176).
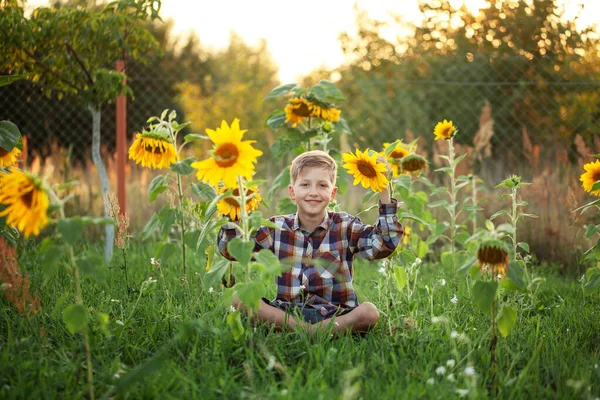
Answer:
(48, 70)
(81, 65)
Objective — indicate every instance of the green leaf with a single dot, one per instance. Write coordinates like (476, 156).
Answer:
(516, 274)
(286, 206)
(150, 227)
(422, 249)
(484, 294)
(497, 214)
(447, 170)
(595, 186)
(8, 79)
(9, 135)
(167, 217)
(75, 317)
(439, 203)
(195, 136)
(590, 231)
(400, 277)
(250, 293)
(459, 158)
(235, 323)
(71, 229)
(447, 259)
(408, 256)
(506, 320)
(241, 250)
(50, 258)
(157, 186)
(183, 167)
(527, 215)
(213, 204)
(524, 246)
(407, 215)
(331, 91)
(276, 119)
(472, 208)
(281, 181)
(203, 190)
(592, 284)
(93, 266)
(285, 143)
(281, 90)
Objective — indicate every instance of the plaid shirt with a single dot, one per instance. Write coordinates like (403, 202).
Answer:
(327, 285)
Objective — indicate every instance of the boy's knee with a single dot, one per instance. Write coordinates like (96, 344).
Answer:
(370, 313)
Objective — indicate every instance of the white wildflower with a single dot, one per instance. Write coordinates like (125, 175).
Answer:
(462, 392)
(441, 370)
(469, 371)
(430, 381)
(454, 300)
(119, 322)
(231, 309)
(453, 335)
(211, 290)
(499, 277)
(302, 287)
(115, 301)
(271, 362)
(382, 271)
(451, 378)
(154, 261)
(439, 320)
(442, 282)
(450, 363)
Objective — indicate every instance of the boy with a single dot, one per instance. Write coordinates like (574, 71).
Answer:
(322, 291)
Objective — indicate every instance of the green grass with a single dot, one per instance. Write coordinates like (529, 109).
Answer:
(179, 345)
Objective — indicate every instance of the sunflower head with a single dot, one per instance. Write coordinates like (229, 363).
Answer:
(298, 110)
(413, 163)
(153, 150)
(25, 200)
(366, 170)
(230, 206)
(400, 151)
(445, 130)
(591, 177)
(493, 252)
(9, 158)
(230, 157)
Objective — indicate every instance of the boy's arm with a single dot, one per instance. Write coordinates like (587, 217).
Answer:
(229, 231)
(379, 240)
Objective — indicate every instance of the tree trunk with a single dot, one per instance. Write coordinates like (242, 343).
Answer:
(97, 158)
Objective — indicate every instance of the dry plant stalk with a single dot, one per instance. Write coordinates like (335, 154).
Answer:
(121, 220)
(15, 285)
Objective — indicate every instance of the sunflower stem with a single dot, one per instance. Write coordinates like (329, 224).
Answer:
(452, 208)
(474, 203)
(493, 344)
(182, 222)
(78, 300)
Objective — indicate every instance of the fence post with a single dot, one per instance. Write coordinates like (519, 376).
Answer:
(121, 123)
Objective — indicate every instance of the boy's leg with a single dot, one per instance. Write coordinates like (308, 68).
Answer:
(360, 319)
(272, 315)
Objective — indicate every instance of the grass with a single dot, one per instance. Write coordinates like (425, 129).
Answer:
(169, 342)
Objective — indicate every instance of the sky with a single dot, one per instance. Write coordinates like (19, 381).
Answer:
(301, 35)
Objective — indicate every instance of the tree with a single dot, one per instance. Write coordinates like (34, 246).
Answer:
(72, 51)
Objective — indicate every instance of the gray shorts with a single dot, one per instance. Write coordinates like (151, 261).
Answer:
(308, 313)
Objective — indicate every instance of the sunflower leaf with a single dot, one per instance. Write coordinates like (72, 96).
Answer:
(400, 277)
(281, 90)
(497, 214)
(75, 317)
(276, 119)
(183, 167)
(9, 135)
(331, 91)
(506, 320)
(71, 229)
(281, 181)
(157, 186)
(595, 186)
(484, 294)
(203, 190)
(195, 136)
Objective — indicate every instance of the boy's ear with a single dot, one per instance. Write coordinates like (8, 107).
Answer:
(334, 192)
(291, 192)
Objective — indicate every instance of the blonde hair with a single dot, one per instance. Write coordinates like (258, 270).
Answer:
(315, 159)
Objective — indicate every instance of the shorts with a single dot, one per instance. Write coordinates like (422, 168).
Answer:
(308, 313)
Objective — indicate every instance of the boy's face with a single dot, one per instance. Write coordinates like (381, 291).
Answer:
(312, 192)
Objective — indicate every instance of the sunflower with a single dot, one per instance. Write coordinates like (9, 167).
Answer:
(445, 130)
(366, 170)
(153, 151)
(231, 207)
(590, 177)
(413, 163)
(327, 113)
(26, 202)
(395, 156)
(9, 158)
(298, 110)
(407, 233)
(493, 253)
(230, 156)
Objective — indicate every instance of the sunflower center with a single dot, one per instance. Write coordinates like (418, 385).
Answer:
(27, 198)
(302, 110)
(366, 169)
(397, 154)
(446, 132)
(491, 255)
(3, 152)
(226, 155)
(595, 175)
(153, 149)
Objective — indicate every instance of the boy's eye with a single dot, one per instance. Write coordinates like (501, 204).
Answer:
(304, 184)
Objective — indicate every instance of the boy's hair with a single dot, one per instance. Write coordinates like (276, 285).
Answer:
(313, 158)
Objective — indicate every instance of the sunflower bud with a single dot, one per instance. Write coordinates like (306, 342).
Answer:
(493, 253)
(327, 127)
(413, 163)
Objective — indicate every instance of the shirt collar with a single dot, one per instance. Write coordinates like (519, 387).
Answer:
(324, 224)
